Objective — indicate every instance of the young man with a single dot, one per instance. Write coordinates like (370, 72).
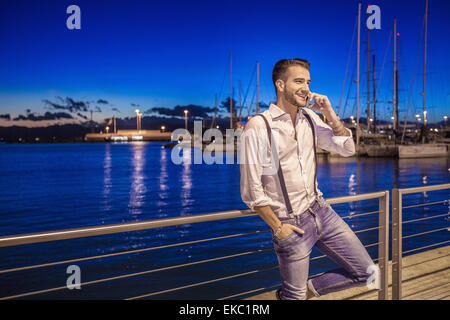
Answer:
(287, 198)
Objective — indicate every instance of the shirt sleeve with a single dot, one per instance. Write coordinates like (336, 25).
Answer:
(251, 164)
(327, 140)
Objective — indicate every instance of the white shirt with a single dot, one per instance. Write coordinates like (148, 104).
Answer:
(259, 185)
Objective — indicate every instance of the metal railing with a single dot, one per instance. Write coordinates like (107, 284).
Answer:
(383, 244)
(397, 231)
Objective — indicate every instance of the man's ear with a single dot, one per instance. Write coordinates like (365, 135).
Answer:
(279, 84)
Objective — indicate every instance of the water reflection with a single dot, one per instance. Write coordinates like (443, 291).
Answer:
(107, 178)
(186, 180)
(138, 188)
(163, 183)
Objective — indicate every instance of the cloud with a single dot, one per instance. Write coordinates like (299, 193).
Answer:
(193, 111)
(101, 101)
(115, 109)
(5, 116)
(68, 104)
(135, 105)
(82, 116)
(46, 116)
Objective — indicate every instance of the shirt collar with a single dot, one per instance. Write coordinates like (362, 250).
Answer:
(276, 111)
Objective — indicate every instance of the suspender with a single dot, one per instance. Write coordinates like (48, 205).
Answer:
(280, 171)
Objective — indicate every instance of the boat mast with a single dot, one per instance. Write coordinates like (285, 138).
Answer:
(240, 103)
(374, 117)
(357, 77)
(394, 100)
(368, 80)
(231, 89)
(424, 72)
(213, 122)
(257, 87)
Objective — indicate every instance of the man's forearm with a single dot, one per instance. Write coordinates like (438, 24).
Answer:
(267, 214)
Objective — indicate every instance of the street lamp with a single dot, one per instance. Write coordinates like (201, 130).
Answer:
(185, 119)
(163, 128)
(107, 130)
(445, 121)
(137, 120)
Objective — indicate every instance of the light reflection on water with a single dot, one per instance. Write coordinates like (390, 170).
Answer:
(138, 181)
(186, 179)
(107, 178)
(138, 188)
(163, 186)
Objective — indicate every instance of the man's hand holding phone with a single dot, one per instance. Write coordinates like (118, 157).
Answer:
(321, 104)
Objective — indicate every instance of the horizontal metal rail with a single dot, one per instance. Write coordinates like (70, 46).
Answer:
(397, 231)
(423, 233)
(427, 218)
(128, 252)
(383, 197)
(150, 224)
(425, 204)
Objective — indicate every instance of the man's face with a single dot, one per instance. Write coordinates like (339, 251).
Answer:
(296, 88)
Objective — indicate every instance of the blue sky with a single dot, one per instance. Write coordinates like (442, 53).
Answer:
(163, 54)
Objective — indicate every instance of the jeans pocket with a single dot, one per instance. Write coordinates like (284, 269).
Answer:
(285, 241)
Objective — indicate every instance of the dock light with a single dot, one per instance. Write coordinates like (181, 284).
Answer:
(217, 127)
(185, 119)
(445, 117)
(371, 120)
(107, 129)
(352, 117)
(138, 119)
(417, 116)
(163, 128)
(392, 118)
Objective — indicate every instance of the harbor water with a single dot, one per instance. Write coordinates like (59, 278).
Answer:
(46, 187)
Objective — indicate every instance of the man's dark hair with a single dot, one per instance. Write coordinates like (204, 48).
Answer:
(281, 66)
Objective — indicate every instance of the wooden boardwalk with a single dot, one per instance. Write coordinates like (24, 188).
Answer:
(426, 276)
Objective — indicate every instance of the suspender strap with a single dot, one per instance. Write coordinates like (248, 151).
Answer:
(314, 146)
(280, 171)
(277, 160)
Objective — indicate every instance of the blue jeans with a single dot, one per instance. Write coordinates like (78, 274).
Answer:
(333, 237)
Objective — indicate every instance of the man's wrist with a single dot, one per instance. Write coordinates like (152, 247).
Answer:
(278, 230)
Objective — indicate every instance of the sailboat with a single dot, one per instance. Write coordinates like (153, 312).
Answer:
(423, 150)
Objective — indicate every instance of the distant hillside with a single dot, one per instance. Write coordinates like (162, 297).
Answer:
(76, 132)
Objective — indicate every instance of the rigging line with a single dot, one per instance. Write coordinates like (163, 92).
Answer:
(348, 91)
(249, 84)
(221, 87)
(382, 67)
(412, 82)
(348, 62)
(250, 106)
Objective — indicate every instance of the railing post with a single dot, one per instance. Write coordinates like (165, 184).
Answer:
(396, 244)
(383, 246)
